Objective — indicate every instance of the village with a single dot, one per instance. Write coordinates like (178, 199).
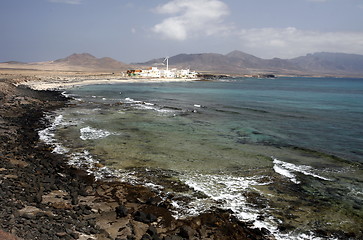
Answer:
(154, 72)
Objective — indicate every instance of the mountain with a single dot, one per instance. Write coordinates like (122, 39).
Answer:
(88, 61)
(331, 62)
(238, 62)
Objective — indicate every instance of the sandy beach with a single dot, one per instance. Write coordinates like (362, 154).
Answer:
(45, 198)
(53, 84)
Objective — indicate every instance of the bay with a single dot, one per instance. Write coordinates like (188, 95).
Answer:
(282, 153)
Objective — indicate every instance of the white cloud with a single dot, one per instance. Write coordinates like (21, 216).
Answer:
(66, 1)
(191, 18)
(195, 18)
(291, 42)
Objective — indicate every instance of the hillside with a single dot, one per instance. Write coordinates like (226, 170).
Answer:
(75, 62)
(236, 62)
(86, 60)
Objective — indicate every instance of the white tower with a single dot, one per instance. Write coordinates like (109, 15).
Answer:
(167, 63)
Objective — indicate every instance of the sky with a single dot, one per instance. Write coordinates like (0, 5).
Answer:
(140, 30)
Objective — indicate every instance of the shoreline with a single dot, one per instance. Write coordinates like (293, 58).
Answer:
(70, 83)
(47, 199)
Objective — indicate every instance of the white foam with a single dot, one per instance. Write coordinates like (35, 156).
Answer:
(148, 106)
(356, 191)
(130, 100)
(285, 172)
(154, 108)
(89, 133)
(46, 135)
(60, 149)
(226, 192)
(65, 94)
(154, 186)
(84, 160)
(288, 169)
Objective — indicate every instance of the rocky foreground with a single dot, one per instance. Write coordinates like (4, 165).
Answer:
(44, 198)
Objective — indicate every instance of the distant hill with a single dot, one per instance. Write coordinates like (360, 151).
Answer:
(87, 60)
(323, 62)
(238, 62)
(75, 62)
(14, 62)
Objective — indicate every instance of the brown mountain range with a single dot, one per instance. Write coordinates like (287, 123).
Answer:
(83, 62)
(86, 60)
(236, 62)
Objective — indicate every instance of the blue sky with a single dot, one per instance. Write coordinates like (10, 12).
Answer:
(139, 30)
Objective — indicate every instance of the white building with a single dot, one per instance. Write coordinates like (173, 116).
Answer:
(154, 72)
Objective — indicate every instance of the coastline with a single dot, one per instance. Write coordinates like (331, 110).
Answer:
(47, 199)
(69, 83)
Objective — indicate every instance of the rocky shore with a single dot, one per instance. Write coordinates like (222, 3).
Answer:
(44, 198)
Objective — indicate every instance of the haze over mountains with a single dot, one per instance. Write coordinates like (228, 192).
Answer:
(236, 62)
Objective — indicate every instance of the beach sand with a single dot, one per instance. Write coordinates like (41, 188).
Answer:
(39, 79)
(69, 82)
(44, 198)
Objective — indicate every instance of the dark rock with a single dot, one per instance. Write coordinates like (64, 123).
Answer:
(74, 235)
(173, 238)
(87, 212)
(187, 232)
(121, 211)
(146, 237)
(130, 237)
(74, 196)
(144, 217)
(153, 201)
(153, 233)
(265, 231)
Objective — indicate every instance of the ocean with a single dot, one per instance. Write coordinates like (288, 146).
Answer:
(285, 154)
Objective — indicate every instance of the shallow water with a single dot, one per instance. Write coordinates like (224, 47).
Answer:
(283, 153)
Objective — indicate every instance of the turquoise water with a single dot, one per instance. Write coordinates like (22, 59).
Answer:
(285, 154)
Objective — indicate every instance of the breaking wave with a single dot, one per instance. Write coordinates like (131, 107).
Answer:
(288, 170)
(47, 135)
(148, 106)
